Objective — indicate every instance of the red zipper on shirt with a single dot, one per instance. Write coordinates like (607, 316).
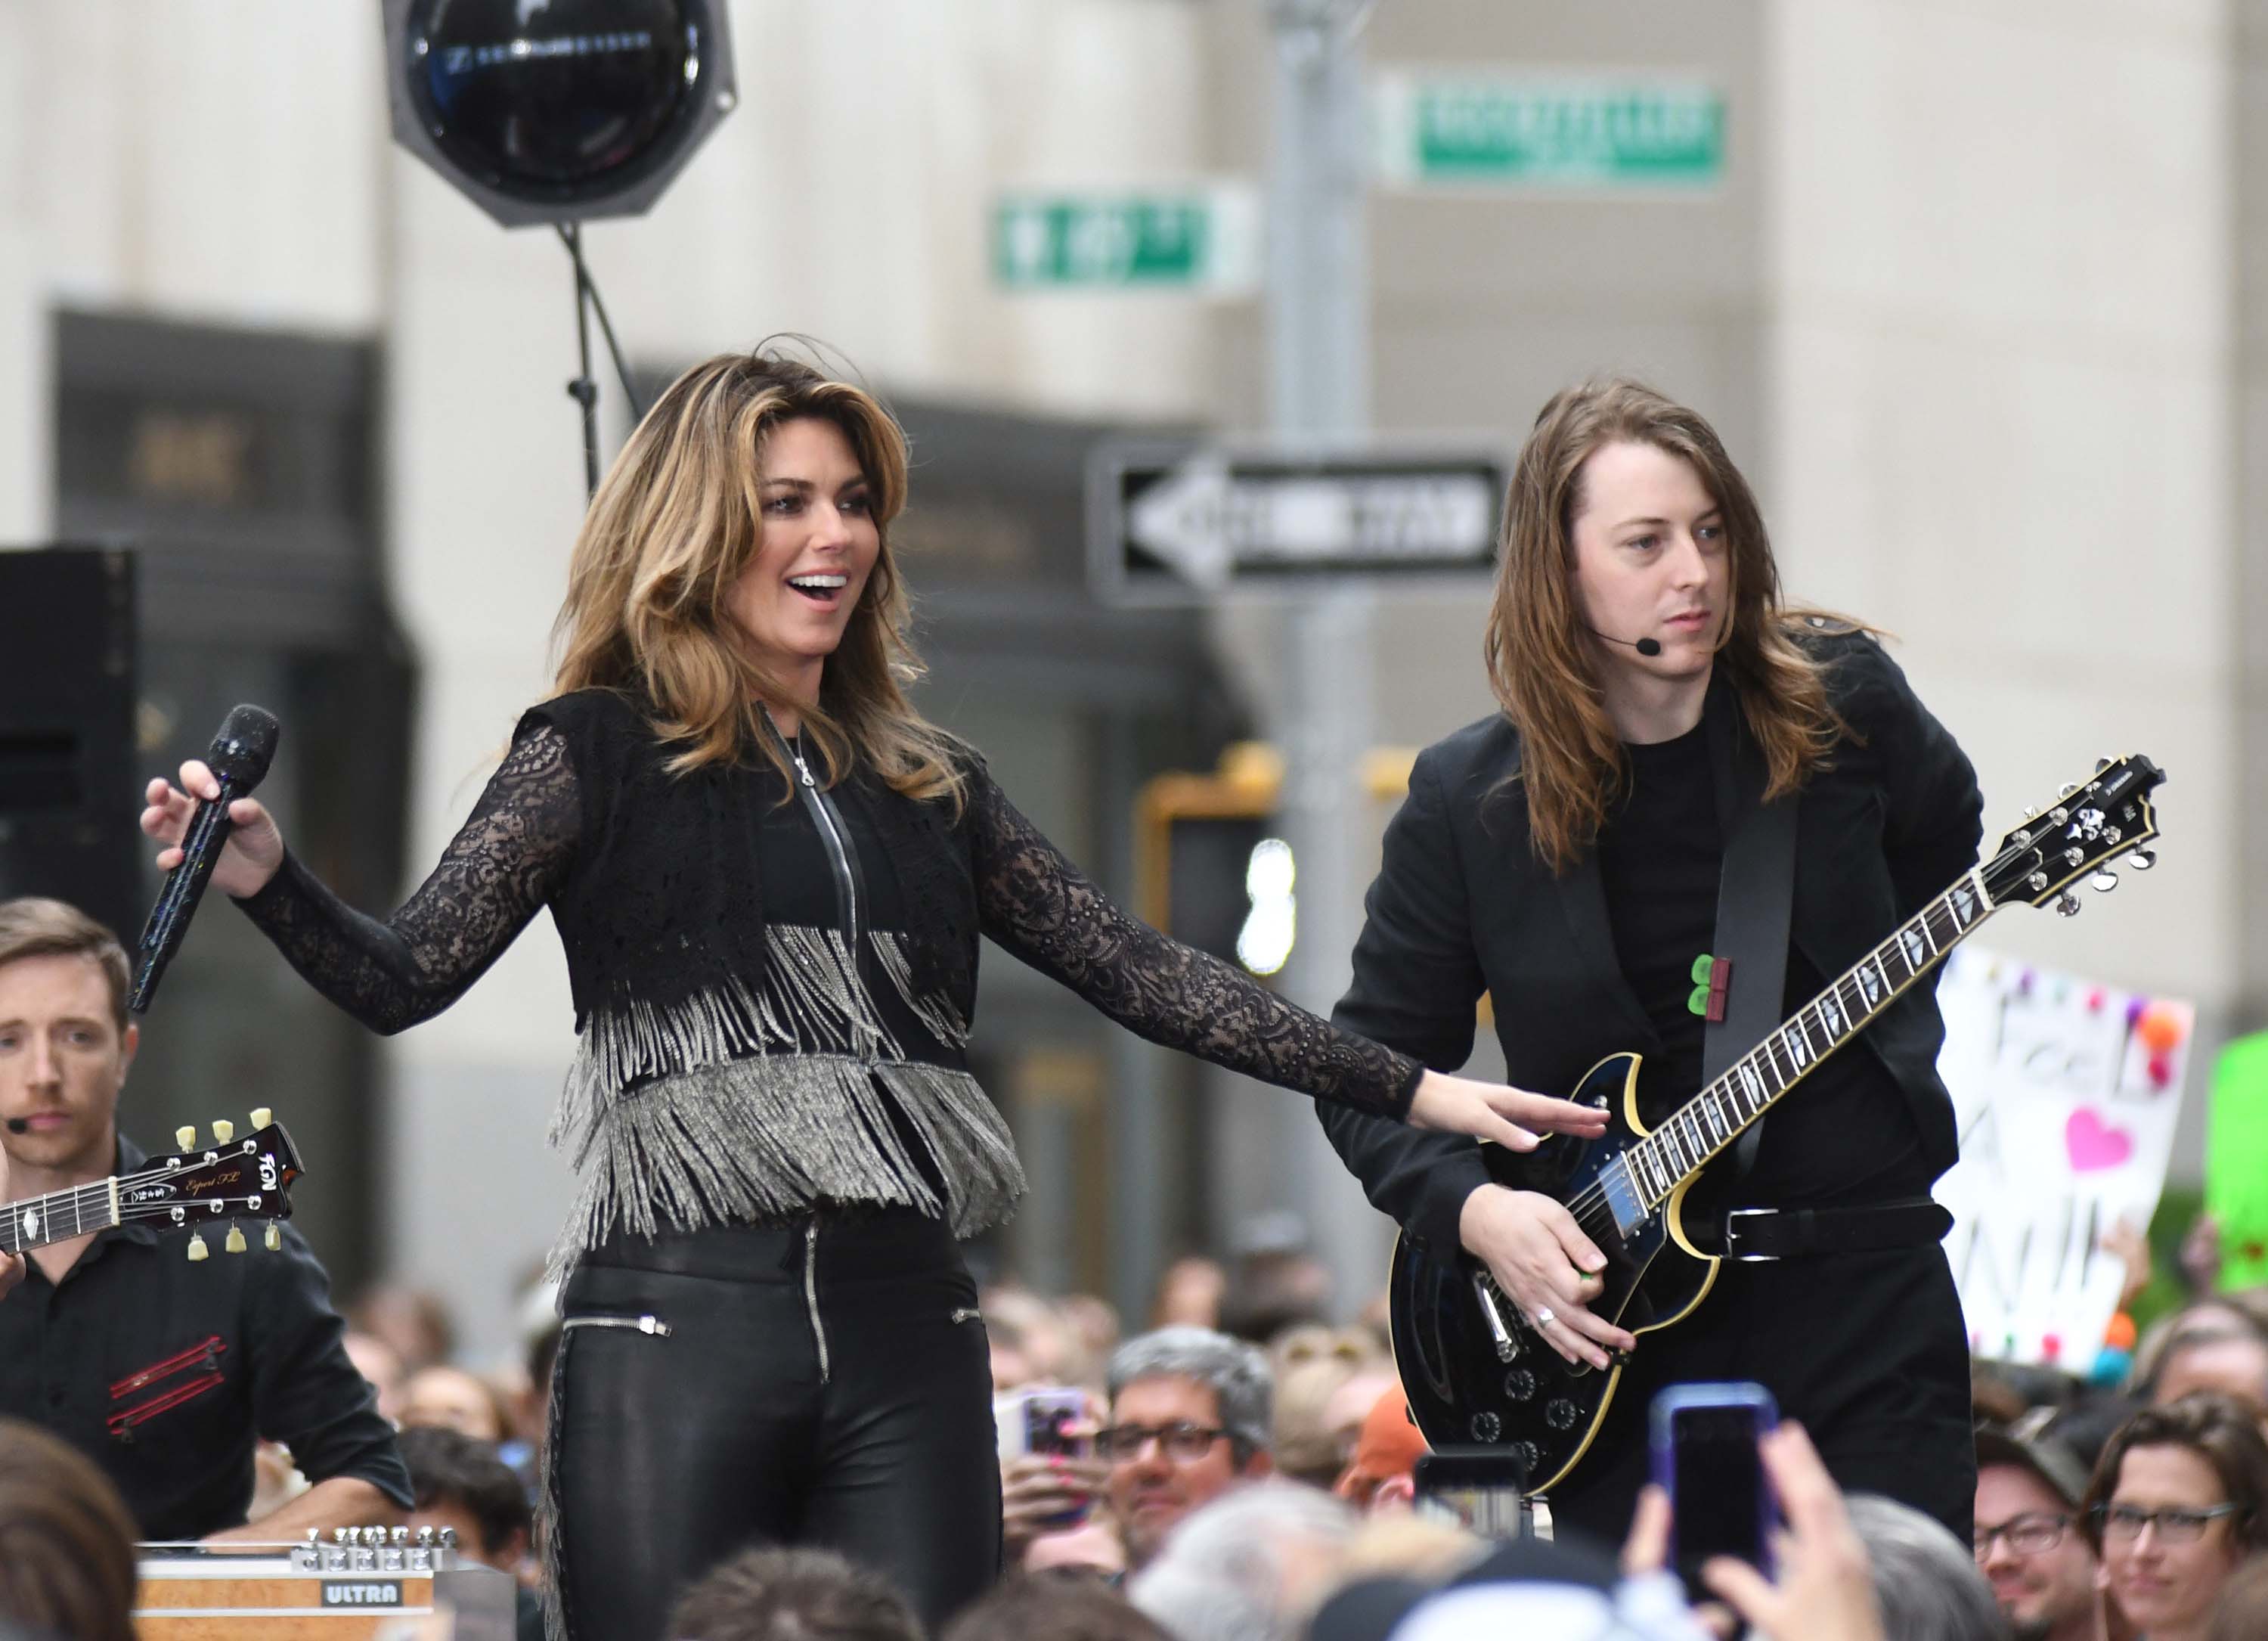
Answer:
(122, 1425)
(209, 1353)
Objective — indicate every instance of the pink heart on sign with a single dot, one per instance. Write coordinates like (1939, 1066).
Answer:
(2092, 1144)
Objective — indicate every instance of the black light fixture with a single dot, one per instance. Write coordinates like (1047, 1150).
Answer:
(556, 111)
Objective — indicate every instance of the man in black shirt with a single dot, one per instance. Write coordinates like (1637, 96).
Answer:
(162, 1371)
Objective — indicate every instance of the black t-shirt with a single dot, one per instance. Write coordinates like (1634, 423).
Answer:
(1845, 1132)
(162, 1372)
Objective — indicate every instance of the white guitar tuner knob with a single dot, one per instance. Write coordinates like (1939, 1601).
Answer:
(185, 1137)
(224, 1131)
(2104, 880)
(2067, 904)
(261, 1116)
(2143, 859)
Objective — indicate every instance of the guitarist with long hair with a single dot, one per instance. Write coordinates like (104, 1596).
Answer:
(1567, 857)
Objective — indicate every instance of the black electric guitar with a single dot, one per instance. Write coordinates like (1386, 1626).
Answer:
(231, 1180)
(1475, 1371)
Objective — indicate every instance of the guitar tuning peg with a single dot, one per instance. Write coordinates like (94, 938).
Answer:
(2067, 904)
(197, 1249)
(2101, 763)
(2143, 859)
(273, 1239)
(185, 1137)
(2068, 790)
(224, 1131)
(261, 1116)
(235, 1242)
(2104, 880)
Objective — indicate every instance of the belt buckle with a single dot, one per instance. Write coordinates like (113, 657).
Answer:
(1732, 1235)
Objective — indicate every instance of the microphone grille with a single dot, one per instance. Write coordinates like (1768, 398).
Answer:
(240, 753)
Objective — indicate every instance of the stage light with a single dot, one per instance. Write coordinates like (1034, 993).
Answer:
(556, 111)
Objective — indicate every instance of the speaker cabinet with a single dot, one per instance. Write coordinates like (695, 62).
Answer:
(67, 801)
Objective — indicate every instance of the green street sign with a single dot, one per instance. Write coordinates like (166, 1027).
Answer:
(1548, 132)
(1202, 240)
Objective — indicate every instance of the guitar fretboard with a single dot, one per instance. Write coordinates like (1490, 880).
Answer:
(57, 1216)
(1709, 1121)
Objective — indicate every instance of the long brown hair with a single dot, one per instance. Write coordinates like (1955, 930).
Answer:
(66, 1540)
(1539, 656)
(678, 518)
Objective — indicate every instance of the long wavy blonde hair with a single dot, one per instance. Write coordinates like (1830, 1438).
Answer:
(676, 521)
(1538, 650)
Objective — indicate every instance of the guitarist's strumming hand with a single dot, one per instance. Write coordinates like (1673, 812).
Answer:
(1538, 1255)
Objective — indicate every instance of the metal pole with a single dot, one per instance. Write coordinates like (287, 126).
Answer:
(1319, 394)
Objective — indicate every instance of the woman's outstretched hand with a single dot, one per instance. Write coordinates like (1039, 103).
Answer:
(254, 851)
(1491, 1111)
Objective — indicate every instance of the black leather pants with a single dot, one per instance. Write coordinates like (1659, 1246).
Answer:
(822, 1380)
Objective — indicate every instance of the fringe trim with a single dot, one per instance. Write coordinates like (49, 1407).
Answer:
(760, 1136)
(810, 999)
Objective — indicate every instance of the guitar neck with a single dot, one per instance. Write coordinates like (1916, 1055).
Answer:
(59, 1215)
(1708, 1123)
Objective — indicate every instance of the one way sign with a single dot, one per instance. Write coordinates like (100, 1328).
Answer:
(1170, 523)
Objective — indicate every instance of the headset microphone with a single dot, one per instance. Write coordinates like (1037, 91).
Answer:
(19, 1125)
(1644, 646)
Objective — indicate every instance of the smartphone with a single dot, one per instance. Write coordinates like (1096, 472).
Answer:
(1704, 1456)
(1478, 1489)
(1046, 1419)
(1042, 1419)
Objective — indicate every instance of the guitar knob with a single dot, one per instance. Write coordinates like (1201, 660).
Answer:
(2104, 880)
(2143, 859)
(261, 1116)
(235, 1242)
(1486, 1427)
(185, 1137)
(224, 1131)
(2067, 904)
(197, 1249)
(1528, 1454)
(1520, 1385)
(1559, 1413)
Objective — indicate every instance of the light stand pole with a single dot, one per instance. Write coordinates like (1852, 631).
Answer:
(1319, 394)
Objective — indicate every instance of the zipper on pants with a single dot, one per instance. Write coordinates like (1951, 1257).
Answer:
(810, 1293)
(653, 1326)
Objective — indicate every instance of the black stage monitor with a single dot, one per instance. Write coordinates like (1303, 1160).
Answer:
(68, 801)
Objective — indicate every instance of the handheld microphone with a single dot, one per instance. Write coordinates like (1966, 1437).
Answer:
(1644, 646)
(239, 758)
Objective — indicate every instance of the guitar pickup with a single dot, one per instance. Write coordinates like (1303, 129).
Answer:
(1506, 1346)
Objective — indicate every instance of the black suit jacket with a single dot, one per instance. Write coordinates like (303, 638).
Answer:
(1462, 906)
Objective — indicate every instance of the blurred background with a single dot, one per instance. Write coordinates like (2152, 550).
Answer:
(1972, 288)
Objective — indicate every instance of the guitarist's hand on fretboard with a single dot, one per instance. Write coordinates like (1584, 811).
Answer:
(1537, 1254)
(12, 1265)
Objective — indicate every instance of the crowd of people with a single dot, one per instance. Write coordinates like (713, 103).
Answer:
(1213, 1487)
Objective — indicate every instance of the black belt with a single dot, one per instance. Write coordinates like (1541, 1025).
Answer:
(1795, 1234)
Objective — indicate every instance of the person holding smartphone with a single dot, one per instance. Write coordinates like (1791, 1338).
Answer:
(1565, 857)
(771, 874)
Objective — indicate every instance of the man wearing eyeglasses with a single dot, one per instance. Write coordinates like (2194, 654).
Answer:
(1190, 1412)
(2030, 1545)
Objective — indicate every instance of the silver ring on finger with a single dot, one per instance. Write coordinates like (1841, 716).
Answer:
(1544, 1318)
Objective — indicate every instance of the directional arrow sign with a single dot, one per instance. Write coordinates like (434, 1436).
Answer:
(1173, 523)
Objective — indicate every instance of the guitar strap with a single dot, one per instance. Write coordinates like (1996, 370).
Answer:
(1755, 897)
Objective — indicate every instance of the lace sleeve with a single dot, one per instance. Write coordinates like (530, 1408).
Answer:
(504, 863)
(1039, 906)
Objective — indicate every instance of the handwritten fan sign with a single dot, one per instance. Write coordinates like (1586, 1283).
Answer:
(2066, 1093)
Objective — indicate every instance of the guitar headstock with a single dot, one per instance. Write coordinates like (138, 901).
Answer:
(233, 1179)
(2082, 832)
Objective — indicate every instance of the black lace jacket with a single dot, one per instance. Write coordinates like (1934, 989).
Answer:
(650, 882)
